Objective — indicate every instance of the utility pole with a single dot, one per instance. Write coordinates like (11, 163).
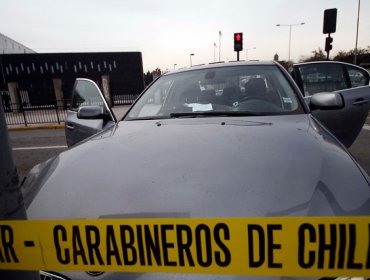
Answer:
(358, 21)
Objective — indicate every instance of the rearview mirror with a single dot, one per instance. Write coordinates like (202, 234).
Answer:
(325, 101)
(90, 112)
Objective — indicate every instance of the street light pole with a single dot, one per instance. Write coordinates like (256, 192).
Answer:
(290, 33)
(358, 21)
(290, 40)
(214, 52)
(191, 62)
(219, 45)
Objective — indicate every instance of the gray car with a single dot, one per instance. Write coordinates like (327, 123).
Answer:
(222, 140)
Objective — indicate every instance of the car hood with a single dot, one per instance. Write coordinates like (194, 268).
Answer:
(201, 167)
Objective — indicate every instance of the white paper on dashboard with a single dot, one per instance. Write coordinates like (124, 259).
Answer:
(200, 107)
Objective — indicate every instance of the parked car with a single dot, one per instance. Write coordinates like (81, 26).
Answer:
(328, 76)
(185, 150)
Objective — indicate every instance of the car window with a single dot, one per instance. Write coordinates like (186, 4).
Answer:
(358, 77)
(322, 78)
(237, 89)
(85, 93)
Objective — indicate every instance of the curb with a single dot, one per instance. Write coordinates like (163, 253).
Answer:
(37, 126)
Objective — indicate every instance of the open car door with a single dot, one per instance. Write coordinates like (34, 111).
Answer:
(88, 113)
(351, 82)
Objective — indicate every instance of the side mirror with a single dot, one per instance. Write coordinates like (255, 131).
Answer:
(92, 112)
(325, 101)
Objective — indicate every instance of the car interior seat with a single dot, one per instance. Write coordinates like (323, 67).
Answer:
(229, 95)
(256, 87)
(190, 94)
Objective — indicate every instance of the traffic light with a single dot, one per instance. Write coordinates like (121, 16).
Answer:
(330, 21)
(238, 42)
(328, 45)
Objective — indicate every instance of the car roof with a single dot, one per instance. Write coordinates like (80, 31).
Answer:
(219, 65)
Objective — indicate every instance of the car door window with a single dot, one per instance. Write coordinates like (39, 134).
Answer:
(322, 77)
(85, 93)
(358, 77)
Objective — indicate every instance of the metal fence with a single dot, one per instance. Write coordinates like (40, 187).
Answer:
(126, 99)
(25, 114)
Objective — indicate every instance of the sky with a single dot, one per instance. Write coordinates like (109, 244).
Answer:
(166, 32)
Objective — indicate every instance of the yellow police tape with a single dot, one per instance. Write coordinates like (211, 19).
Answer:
(288, 246)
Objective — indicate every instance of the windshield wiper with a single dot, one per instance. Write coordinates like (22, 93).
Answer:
(214, 113)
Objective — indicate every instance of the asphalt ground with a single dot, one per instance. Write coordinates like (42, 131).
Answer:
(35, 143)
(360, 149)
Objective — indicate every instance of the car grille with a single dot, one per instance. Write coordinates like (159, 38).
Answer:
(44, 275)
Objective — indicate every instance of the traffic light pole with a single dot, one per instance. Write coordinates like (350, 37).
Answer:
(328, 51)
(328, 46)
(237, 56)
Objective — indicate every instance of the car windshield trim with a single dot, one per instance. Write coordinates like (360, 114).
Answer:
(207, 114)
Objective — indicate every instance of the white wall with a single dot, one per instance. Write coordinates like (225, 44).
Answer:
(8, 45)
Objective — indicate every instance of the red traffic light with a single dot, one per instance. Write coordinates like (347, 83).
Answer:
(238, 42)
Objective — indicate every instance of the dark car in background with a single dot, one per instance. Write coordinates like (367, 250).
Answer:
(222, 140)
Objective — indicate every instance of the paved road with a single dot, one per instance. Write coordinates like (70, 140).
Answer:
(31, 147)
(361, 150)
(34, 146)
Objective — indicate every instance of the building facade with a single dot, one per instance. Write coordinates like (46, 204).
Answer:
(47, 79)
(8, 45)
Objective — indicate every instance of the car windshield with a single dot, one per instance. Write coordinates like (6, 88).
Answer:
(245, 90)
